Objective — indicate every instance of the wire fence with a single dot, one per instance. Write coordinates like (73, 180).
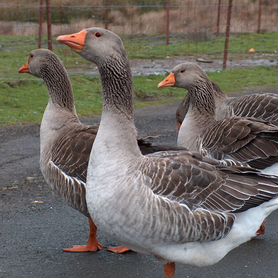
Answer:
(185, 17)
(151, 29)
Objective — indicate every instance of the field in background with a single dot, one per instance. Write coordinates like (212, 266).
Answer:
(142, 25)
(196, 18)
(191, 22)
(23, 101)
(144, 47)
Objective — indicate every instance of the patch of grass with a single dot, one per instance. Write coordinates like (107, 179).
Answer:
(23, 101)
(238, 80)
(239, 44)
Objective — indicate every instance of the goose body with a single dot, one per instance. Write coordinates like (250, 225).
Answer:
(176, 205)
(248, 140)
(160, 209)
(66, 143)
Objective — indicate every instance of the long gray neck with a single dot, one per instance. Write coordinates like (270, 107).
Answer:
(58, 84)
(201, 97)
(117, 135)
(117, 86)
(200, 114)
(218, 94)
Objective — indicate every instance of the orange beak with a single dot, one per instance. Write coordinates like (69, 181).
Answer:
(169, 81)
(24, 69)
(75, 41)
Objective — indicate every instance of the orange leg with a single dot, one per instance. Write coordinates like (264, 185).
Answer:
(261, 230)
(169, 270)
(92, 244)
(119, 249)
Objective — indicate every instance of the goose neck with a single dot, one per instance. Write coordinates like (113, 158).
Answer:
(117, 86)
(117, 136)
(201, 98)
(59, 86)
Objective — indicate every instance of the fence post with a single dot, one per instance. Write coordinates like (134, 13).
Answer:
(106, 17)
(40, 23)
(218, 17)
(259, 17)
(49, 33)
(167, 11)
(227, 39)
(106, 5)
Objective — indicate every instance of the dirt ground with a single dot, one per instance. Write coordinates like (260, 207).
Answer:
(36, 225)
(161, 66)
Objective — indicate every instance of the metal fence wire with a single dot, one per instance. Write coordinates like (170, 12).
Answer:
(195, 18)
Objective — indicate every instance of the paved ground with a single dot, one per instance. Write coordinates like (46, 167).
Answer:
(35, 225)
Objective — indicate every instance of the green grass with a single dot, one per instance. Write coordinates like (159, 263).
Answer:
(238, 80)
(239, 44)
(23, 101)
(14, 50)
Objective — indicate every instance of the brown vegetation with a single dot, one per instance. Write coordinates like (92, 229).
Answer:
(186, 17)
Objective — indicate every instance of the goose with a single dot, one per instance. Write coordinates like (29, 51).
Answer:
(175, 205)
(259, 106)
(249, 140)
(66, 143)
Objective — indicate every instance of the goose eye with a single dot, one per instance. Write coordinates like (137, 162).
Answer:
(182, 71)
(97, 34)
(30, 57)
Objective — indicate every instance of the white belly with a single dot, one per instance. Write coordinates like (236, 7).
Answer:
(272, 170)
(207, 253)
(187, 136)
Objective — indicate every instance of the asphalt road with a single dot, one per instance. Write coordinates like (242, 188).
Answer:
(36, 225)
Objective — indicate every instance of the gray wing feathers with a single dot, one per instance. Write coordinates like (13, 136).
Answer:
(68, 164)
(259, 106)
(71, 189)
(243, 139)
(197, 199)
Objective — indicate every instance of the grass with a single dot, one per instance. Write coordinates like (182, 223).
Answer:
(15, 49)
(240, 44)
(23, 101)
(23, 98)
(238, 80)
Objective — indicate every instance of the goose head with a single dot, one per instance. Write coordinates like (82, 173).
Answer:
(185, 75)
(94, 44)
(39, 61)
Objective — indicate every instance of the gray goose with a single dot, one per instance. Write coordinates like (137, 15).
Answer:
(260, 106)
(66, 143)
(252, 141)
(175, 205)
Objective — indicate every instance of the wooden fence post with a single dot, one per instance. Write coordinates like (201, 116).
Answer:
(49, 33)
(259, 17)
(106, 14)
(167, 13)
(218, 17)
(227, 40)
(40, 24)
